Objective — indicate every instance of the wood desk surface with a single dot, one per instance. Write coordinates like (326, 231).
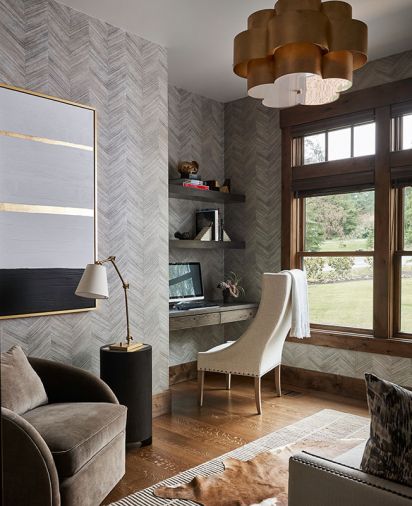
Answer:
(200, 317)
(220, 307)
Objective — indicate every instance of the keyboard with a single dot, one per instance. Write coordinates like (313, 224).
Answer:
(186, 306)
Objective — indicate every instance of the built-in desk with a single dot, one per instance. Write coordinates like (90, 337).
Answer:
(200, 317)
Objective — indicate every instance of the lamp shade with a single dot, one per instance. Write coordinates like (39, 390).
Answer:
(93, 283)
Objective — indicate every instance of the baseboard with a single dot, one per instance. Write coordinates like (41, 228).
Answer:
(162, 403)
(292, 378)
(315, 381)
(182, 372)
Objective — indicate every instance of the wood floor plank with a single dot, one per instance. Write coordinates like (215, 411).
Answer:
(191, 435)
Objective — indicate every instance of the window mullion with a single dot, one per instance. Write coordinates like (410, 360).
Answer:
(384, 236)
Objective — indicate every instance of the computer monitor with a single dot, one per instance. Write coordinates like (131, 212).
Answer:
(185, 282)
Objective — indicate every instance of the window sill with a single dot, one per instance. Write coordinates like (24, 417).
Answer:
(357, 342)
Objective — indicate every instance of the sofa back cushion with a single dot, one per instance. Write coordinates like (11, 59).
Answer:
(21, 387)
(388, 452)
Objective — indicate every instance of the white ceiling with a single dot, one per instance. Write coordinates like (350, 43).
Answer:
(199, 34)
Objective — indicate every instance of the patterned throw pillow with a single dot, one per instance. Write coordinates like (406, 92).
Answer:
(388, 452)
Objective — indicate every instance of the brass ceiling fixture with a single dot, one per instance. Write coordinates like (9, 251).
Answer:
(300, 52)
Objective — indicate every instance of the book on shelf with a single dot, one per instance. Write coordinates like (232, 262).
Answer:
(208, 218)
(181, 181)
(195, 186)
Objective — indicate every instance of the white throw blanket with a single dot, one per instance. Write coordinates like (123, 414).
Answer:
(300, 305)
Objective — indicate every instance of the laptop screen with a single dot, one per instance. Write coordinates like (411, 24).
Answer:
(185, 282)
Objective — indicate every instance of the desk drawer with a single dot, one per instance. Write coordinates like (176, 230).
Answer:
(237, 315)
(188, 322)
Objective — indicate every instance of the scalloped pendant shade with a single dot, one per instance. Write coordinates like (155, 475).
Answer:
(301, 52)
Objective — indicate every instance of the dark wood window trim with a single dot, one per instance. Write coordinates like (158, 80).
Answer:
(381, 172)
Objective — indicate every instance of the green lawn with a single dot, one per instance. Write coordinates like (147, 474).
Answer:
(344, 245)
(350, 304)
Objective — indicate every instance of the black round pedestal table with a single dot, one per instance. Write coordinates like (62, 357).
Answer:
(129, 375)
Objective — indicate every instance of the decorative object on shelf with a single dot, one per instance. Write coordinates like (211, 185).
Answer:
(188, 169)
(225, 236)
(231, 288)
(213, 184)
(47, 202)
(183, 236)
(205, 234)
(300, 52)
(221, 230)
(225, 188)
(208, 218)
(93, 285)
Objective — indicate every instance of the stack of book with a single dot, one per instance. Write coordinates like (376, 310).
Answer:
(198, 184)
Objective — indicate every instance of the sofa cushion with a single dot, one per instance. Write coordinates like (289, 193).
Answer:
(75, 432)
(21, 387)
(353, 457)
(388, 452)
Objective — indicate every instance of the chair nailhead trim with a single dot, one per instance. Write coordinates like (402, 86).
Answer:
(343, 475)
(230, 372)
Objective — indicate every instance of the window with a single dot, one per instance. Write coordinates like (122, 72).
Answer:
(406, 262)
(338, 241)
(401, 127)
(407, 131)
(340, 143)
(347, 216)
(314, 149)
(364, 139)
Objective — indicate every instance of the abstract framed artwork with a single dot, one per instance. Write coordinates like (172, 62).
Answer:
(47, 202)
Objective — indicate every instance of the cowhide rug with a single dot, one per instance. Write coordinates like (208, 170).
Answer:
(262, 480)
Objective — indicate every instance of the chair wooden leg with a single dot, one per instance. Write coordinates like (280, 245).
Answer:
(277, 381)
(258, 396)
(228, 381)
(201, 384)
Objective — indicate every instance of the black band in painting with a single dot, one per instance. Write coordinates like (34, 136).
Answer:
(28, 291)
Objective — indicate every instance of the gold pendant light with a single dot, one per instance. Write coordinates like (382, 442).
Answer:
(300, 52)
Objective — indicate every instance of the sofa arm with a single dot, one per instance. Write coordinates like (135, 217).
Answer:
(315, 481)
(66, 383)
(29, 472)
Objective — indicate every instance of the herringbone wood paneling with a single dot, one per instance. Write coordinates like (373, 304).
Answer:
(253, 162)
(47, 47)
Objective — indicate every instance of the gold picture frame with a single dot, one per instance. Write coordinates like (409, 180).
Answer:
(51, 211)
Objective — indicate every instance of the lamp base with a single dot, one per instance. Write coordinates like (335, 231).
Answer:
(126, 347)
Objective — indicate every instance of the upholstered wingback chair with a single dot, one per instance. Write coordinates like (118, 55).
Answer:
(70, 451)
(259, 349)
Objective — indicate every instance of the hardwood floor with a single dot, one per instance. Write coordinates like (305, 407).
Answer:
(191, 435)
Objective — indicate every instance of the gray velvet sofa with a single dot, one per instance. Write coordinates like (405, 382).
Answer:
(69, 452)
(317, 481)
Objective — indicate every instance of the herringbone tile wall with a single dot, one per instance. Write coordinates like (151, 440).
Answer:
(50, 48)
(196, 132)
(253, 161)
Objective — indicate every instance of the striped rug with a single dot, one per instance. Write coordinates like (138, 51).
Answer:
(326, 426)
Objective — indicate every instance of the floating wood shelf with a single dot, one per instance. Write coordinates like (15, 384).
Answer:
(181, 192)
(182, 244)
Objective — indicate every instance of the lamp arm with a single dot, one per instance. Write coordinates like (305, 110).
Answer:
(125, 285)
